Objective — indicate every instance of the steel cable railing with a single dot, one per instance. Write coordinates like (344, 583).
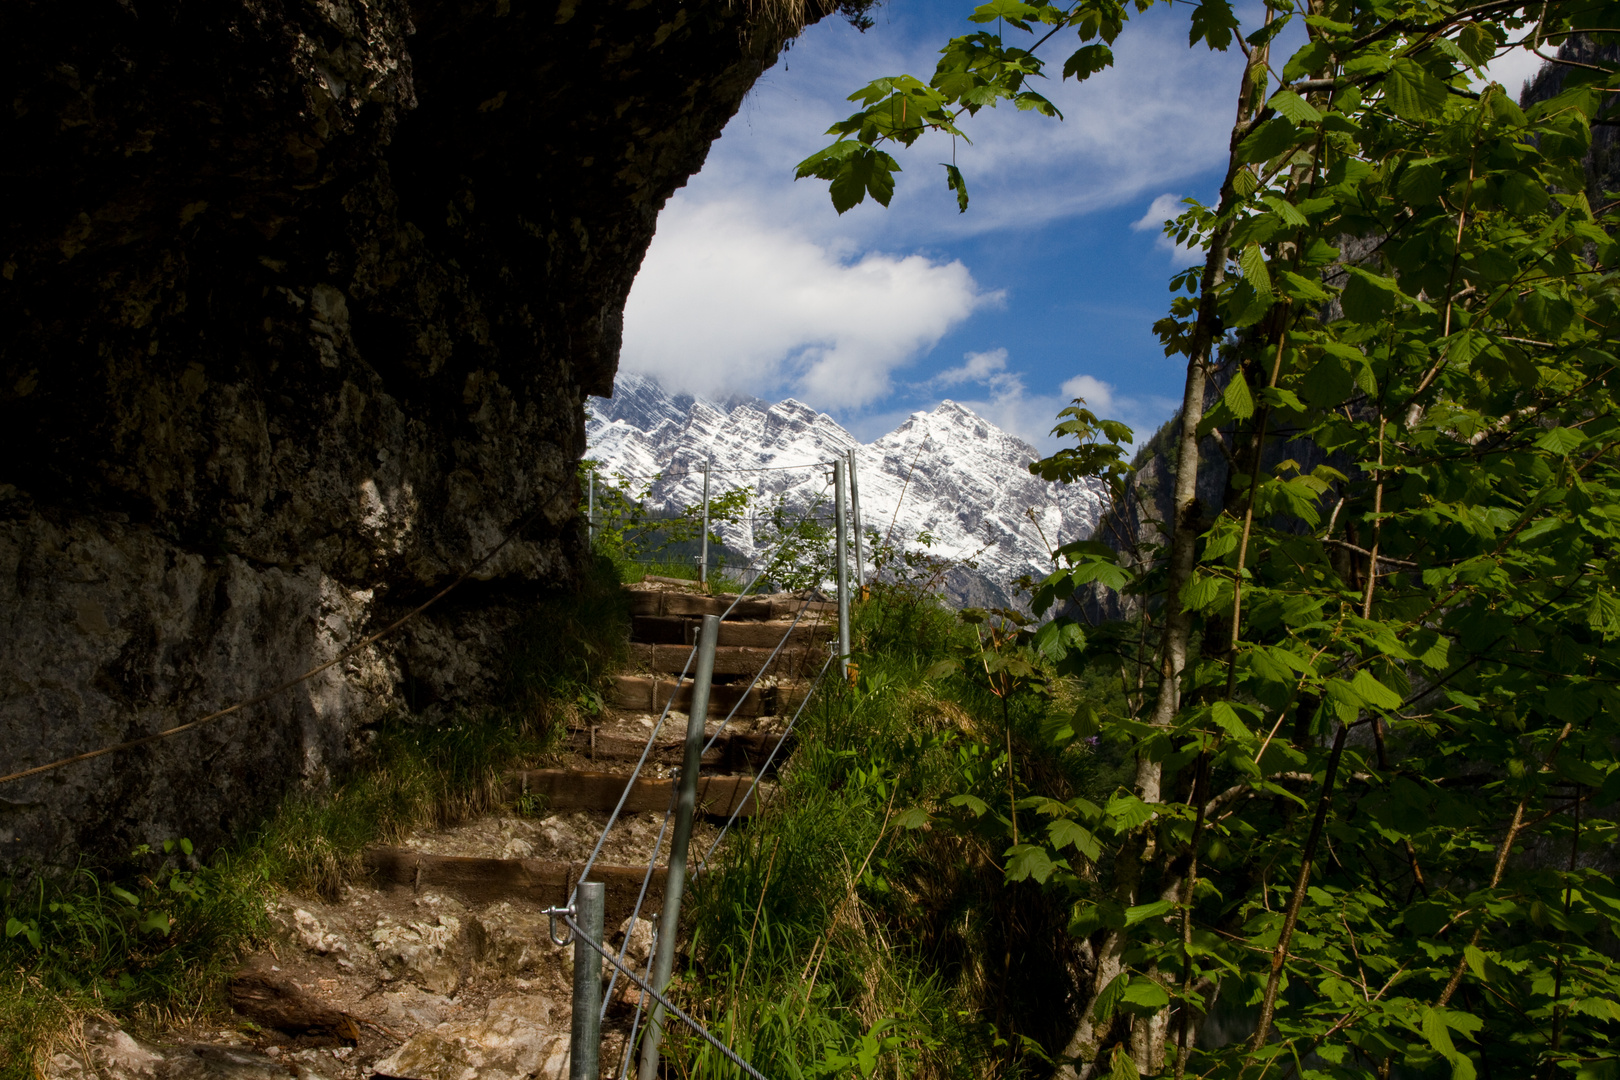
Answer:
(653, 736)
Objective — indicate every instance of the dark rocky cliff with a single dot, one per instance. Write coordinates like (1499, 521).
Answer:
(301, 300)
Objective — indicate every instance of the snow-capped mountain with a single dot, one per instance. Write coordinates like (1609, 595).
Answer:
(951, 473)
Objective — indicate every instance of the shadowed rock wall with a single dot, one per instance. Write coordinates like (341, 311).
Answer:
(300, 303)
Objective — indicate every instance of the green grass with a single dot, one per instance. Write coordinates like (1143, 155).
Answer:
(862, 924)
(155, 936)
(719, 580)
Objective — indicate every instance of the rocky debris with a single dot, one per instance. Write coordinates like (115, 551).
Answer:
(428, 953)
(517, 1038)
(104, 1051)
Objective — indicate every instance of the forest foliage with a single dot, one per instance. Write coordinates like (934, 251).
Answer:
(1371, 697)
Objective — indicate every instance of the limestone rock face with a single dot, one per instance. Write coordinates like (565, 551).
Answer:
(301, 300)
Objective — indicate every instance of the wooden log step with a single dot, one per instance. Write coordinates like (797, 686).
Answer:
(733, 752)
(571, 789)
(645, 693)
(647, 602)
(485, 881)
(728, 659)
(677, 630)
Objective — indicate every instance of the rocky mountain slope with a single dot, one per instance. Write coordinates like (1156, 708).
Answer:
(948, 474)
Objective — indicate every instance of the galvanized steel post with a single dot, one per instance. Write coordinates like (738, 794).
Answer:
(703, 560)
(855, 505)
(585, 1030)
(685, 807)
(841, 553)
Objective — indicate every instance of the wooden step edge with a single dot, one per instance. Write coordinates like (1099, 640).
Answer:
(487, 880)
(683, 630)
(647, 602)
(732, 752)
(648, 693)
(574, 789)
(730, 659)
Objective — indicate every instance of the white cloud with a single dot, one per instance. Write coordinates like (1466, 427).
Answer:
(1099, 396)
(980, 367)
(727, 302)
(1160, 115)
(1162, 209)
(1512, 68)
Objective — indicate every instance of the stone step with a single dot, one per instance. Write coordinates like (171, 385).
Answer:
(574, 789)
(734, 751)
(756, 609)
(486, 881)
(791, 662)
(678, 630)
(649, 693)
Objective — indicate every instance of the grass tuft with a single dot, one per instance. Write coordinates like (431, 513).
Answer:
(859, 927)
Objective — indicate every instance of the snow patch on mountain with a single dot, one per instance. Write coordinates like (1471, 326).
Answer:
(948, 474)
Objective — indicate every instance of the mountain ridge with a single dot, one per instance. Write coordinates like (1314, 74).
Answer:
(946, 474)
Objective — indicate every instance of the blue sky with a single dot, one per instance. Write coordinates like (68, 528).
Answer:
(1048, 286)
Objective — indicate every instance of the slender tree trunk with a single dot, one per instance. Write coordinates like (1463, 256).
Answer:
(1140, 849)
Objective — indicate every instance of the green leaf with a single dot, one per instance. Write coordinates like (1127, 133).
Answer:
(1143, 912)
(1144, 995)
(1213, 22)
(1122, 1067)
(954, 182)
(1065, 832)
(1412, 93)
(1029, 861)
(155, 922)
(1256, 272)
(977, 806)
(1237, 397)
(1226, 718)
(1561, 441)
(1108, 1000)
(1373, 692)
(1603, 614)
(914, 817)
(1125, 812)
(855, 170)
(1088, 60)
(1477, 43)
(1367, 298)
(1296, 108)
(1268, 140)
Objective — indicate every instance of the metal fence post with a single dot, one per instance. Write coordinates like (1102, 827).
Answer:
(585, 1030)
(685, 807)
(841, 554)
(703, 560)
(590, 511)
(855, 506)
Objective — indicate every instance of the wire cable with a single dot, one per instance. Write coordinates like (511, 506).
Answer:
(579, 932)
(772, 757)
(635, 912)
(630, 783)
